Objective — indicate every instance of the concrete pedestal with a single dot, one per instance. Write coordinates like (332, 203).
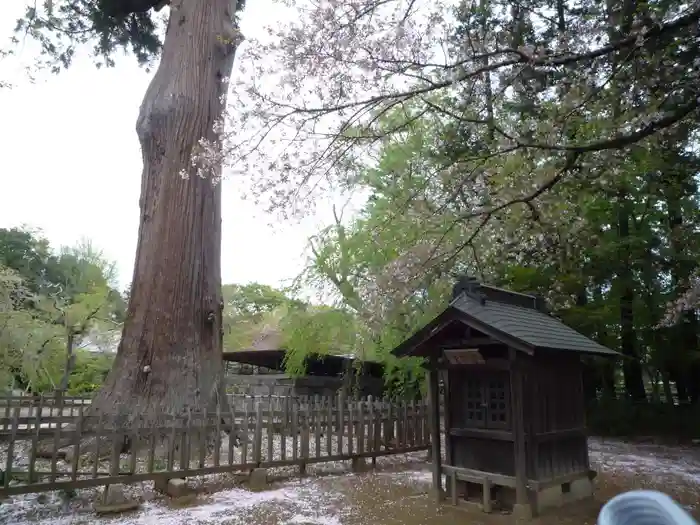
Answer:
(257, 479)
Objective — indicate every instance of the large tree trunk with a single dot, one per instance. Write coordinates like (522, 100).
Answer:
(631, 366)
(169, 359)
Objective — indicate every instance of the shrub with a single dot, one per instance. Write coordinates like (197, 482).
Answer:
(627, 418)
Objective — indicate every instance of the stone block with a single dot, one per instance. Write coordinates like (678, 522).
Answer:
(257, 480)
(580, 489)
(175, 488)
(558, 495)
(359, 465)
(114, 501)
(161, 485)
(471, 506)
(522, 511)
(549, 497)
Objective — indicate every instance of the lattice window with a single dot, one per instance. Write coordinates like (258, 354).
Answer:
(498, 405)
(480, 402)
(475, 405)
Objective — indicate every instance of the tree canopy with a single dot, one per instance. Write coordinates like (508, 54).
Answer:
(546, 145)
(54, 306)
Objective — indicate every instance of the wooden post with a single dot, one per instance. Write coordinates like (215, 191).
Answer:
(284, 428)
(434, 399)
(270, 431)
(341, 421)
(10, 446)
(447, 417)
(317, 420)
(305, 438)
(329, 426)
(516, 396)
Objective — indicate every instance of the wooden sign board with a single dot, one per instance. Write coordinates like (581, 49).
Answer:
(464, 356)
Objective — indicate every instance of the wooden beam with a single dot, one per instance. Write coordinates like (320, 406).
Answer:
(489, 365)
(542, 437)
(516, 395)
(434, 400)
(447, 416)
(410, 346)
(469, 342)
(481, 433)
(478, 476)
(496, 334)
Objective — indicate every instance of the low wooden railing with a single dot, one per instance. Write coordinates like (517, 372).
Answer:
(43, 449)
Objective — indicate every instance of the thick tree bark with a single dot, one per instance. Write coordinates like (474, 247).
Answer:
(169, 359)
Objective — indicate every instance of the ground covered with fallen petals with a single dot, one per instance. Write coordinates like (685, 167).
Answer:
(396, 493)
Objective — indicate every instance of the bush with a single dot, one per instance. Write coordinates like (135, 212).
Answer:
(626, 418)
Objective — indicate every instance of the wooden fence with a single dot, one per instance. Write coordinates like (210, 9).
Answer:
(43, 448)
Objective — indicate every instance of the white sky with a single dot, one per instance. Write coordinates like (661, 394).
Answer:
(71, 165)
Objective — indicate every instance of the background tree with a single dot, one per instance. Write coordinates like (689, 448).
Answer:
(251, 310)
(564, 246)
(523, 130)
(55, 305)
(369, 57)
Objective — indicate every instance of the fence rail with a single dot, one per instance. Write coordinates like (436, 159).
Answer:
(42, 448)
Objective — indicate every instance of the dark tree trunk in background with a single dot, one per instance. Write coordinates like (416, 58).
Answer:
(606, 368)
(169, 358)
(631, 366)
(620, 17)
(684, 343)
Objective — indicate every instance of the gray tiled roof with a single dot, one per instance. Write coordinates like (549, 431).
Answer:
(532, 327)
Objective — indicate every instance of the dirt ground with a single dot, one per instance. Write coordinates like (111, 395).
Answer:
(397, 493)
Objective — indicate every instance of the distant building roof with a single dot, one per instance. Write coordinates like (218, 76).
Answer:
(516, 319)
(316, 364)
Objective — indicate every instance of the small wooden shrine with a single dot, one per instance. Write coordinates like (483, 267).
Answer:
(514, 415)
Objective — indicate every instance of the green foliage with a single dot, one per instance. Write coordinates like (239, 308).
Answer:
(30, 256)
(252, 299)
(50, 305)
(253, 312)
(89, 373)
(321, 330)
(609, 248)
(61, 28)
(61, 277)
(250, 310)
(624, 418)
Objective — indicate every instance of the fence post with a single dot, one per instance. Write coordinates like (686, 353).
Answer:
(360, 427)
(388, 424)
(372, 430)
(11, 445)
(341, 422)
(351, 427)
(245, 432)
(285, 425)
(257, 437)
(305, 436)
(270, 430)
(329, 425)
(318, 419)
(35, 439)
(77, 435)
(6, 423)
